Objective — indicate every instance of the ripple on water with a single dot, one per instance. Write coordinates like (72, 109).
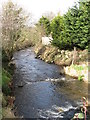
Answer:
(45, 92)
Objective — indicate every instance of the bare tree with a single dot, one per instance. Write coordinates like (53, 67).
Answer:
(13, 20)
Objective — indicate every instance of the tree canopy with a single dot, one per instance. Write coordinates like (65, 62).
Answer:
(72, 29)
(45, 24)
(13, 21)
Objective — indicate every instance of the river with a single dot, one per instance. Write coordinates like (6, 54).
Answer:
(40, 90)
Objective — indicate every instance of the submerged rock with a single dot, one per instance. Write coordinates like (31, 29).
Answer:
(12, 64)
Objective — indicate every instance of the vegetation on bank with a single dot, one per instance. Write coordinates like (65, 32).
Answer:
(78, 71)
(70, 30)
(6, 79)
(7, 93)
(13, 24)
(16, 35)
(75, 67)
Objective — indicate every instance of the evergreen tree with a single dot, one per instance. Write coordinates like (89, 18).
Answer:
(45, 24)
(57, 28)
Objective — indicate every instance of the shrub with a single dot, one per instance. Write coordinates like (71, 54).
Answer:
(72, 29)
(6, 77)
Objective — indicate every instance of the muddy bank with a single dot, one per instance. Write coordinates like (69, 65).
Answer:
(75, 66)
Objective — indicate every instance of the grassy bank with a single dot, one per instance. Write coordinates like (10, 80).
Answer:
(77, 71)
(7, 92)
(7, 95)
(6, 79)
(77, 68)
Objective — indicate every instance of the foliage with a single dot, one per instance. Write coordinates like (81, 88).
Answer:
(72, 29)
(82, 114)
(4, 101)
(30, 36)
(45, 24)
(49, 14)
(80, 78)
(69, 23)
(79, 67)
(78, 116)
(77, 25)
(13, 20)
(6, 77)
(4, 56)
(57, 28)
(24, 40)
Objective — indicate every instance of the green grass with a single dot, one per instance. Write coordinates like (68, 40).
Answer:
(80, 77)
(6, 78)
(79, 68)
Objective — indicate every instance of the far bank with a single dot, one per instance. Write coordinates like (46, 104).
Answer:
(73, 63)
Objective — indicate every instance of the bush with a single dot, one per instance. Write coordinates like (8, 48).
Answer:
(6, 78)
(57, 28)
(4, 56)
(72, 29)
(45, 23)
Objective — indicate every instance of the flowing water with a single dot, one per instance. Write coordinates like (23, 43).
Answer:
(40, 90)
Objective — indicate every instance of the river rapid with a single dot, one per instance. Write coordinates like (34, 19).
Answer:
(40, 90)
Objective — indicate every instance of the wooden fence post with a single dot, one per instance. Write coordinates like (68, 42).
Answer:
(74, 56)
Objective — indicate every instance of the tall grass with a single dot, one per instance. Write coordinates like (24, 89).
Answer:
(6, 78)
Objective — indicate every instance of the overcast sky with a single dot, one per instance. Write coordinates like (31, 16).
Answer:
(38, 7)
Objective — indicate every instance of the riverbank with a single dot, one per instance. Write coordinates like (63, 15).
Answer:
(7, 87)
(75, 67)
(7, 96)
(43, 88)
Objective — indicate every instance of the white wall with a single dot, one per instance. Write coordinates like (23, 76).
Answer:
(46, 40)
